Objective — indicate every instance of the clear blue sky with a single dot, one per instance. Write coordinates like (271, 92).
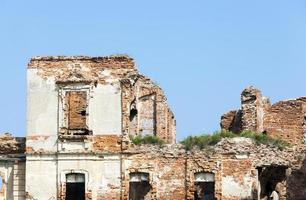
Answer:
(203, 53)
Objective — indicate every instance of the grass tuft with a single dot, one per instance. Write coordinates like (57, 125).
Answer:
(147, 139)
(205, 140)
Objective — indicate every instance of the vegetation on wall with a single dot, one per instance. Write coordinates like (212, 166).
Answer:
(206, 140)
(147, 139)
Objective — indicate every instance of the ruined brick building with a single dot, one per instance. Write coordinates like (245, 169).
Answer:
(81, 112)
(285, 119)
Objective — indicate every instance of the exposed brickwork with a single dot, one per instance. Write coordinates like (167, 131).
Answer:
(251, 106)
(232, 121)
(241, 173)
(153, 114)
(65, 69)
(11, 145)
(285, 119)
(233, 161)
(106, 143)
(237, 168)
(167, 173)
(296, 183)
(137, 91)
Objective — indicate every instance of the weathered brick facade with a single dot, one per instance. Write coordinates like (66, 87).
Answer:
(81, 112)
(284, 120)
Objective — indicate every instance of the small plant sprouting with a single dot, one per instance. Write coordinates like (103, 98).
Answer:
(206, 140)
(147, 139)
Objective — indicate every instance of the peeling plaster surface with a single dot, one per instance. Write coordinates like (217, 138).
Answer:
(105, 107)
(41, 106)
(231, 188)
(111, 101)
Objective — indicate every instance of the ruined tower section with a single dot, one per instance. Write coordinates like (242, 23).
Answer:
(81, 111)
(250, 116)
(252, 109)
(284, 119)
(145, 111)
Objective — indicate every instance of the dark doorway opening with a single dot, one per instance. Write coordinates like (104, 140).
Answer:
(204, 186)
(139, 186)
(75, 186)
(272, 178)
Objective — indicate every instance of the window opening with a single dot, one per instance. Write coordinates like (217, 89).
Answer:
(204, 186)
(76, 112)
(139, 186)
(133, 124)
(75, 186)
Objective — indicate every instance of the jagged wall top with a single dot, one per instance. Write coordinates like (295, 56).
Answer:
(284, 119)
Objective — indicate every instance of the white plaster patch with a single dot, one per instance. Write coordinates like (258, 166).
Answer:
(42, 105)
(46, 144)
(105, 72)
(231, 188)
(242, 156)
(105, 110)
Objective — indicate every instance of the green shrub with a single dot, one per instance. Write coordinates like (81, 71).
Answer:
(206, 140)
(147, 139)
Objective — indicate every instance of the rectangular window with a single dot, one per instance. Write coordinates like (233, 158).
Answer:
(75, 187)
(139, 186)
(77, 109)
(204, 186)
(75, 112)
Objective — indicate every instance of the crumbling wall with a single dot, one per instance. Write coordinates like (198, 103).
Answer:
(296, 184)
(166, 169)
(145, 110)
(236, 164)
(202, 162)
(253, 107)
(238, 179)
(11, 145)
(285, 119)
(12, 172)
(91, 105)
(231, 121)
(12, 167)
(93, 96)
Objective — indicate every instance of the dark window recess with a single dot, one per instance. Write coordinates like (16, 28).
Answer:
(139, 186)
(133, 114)
(76, 103)
(204, 186)
(204, 191)
(75, 187)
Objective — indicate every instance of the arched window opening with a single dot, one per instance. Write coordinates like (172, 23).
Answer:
(139, 186)
(204, 186)
(133, 119)
(75, 186)
(133, 114)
